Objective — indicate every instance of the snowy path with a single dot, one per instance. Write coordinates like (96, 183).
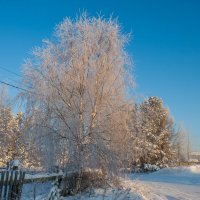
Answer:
(175, 191)
(182, 183)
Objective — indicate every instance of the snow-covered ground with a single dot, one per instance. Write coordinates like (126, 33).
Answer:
(36, 191)
(179, 183)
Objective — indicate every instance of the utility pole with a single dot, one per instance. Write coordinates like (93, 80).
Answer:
(188, 147)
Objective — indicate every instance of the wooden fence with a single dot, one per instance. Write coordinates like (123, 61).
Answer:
(11, 183)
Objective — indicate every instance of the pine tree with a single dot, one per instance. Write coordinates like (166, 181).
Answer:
(156, 127)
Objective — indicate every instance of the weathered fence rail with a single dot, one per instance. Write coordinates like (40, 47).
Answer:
(33, 178)
(42, 177)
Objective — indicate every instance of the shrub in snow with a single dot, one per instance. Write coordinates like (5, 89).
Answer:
(76, 182)
(193, 160)
(54, 193)
(149, 167)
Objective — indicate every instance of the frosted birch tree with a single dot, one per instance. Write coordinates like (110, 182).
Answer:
(77, 84)
(182, 144)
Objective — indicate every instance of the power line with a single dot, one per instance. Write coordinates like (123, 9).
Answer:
(10, 71)
(11, 85)
(9, 79)
(16, 87)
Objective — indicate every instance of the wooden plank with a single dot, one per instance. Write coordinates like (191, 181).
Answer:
(11, 181)
(6, 185)
(21, 181)
(1, 184)
(18, 184)
(14, 188)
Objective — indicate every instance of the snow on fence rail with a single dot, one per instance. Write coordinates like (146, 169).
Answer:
(43, 177)
(9, 176)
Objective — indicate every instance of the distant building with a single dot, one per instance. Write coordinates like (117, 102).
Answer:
(195, 156)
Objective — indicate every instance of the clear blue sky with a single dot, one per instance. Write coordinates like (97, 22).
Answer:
(165, 44)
